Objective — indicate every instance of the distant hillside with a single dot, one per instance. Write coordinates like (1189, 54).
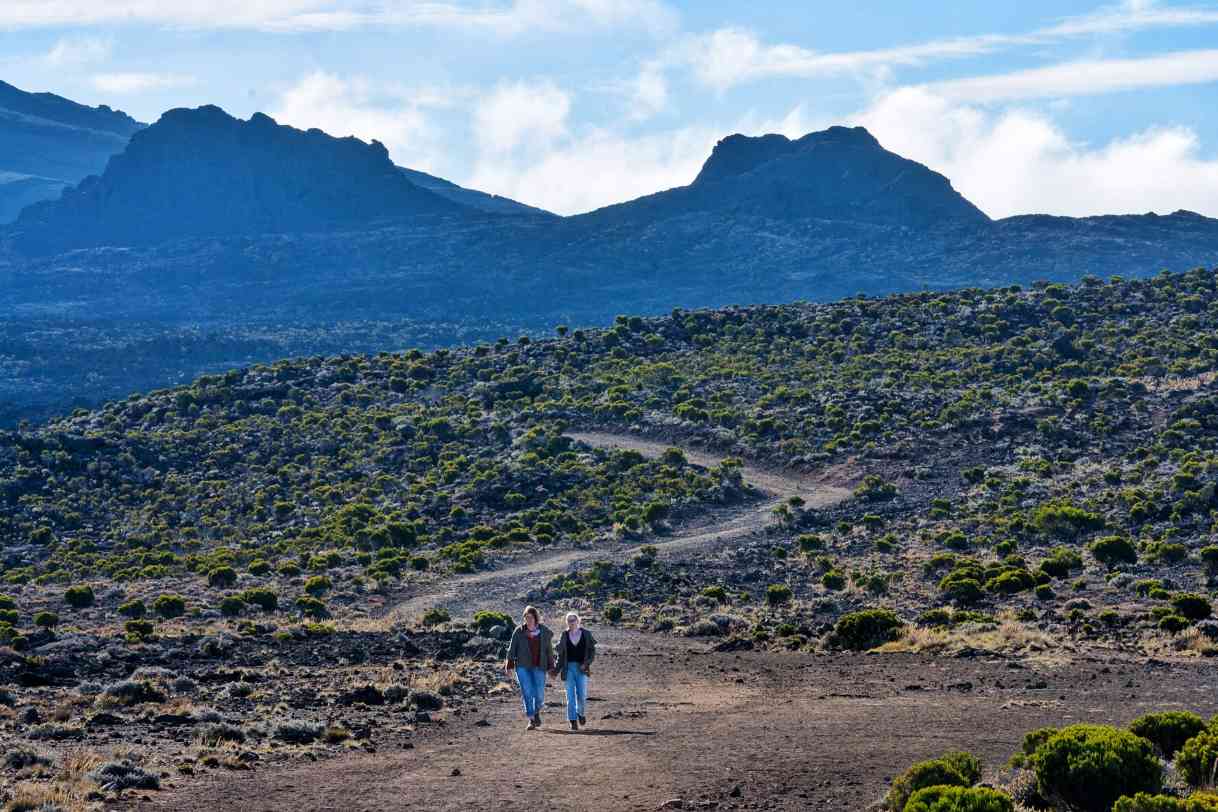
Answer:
(48, 143)
(204, 173)
(841, 173)
(212, 222)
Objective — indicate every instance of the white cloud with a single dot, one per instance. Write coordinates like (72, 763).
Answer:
(728, 57)
(357, 106)
(1020, 161)
(521, 114)
(598, 168)
(140, 82)
(505, 18)
(78, 50)
(1087, 77)
(648, 93)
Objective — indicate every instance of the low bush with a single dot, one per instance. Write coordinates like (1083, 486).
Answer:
(1197, 758)
(1191, 606)
(222, 577)
(778, 594)
(231, 606)
(485, 620)
(952, 770)
(1168, 730)
(859, 631)
(315, 609)
(133, 609)
(1144, 802)
(435, 616)
(79, 597)
(295, 731)
(612, 613)
(318, 585)
(265, 599)
(118, 775)
(1089, 767)
(46, 620)
(959, 799)
(1114, 550)
(169, 606)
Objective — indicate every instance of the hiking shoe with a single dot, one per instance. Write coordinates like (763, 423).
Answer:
(532, 725)
(583, 722)
(574, 725)
(537, 720)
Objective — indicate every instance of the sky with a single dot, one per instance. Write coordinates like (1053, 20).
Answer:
(1056, 107)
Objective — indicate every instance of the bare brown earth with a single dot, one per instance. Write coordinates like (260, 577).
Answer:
(674, 721)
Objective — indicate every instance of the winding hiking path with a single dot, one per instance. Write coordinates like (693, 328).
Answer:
(674, 724)
(463, 594)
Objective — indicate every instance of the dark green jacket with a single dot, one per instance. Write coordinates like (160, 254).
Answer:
(519, 653)
(589, 652)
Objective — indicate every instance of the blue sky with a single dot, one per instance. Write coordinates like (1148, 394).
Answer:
(1063, 107)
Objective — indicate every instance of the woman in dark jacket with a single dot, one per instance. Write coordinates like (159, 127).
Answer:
(531, 656)
(576, 650)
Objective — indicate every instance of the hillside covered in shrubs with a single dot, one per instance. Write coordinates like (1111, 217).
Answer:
(1034, 471)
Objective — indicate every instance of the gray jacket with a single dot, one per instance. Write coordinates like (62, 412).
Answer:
(589, 651)
(520, 654)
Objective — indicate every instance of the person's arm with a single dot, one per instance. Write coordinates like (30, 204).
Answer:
(561, 662)
(590, 654)
(511, 664)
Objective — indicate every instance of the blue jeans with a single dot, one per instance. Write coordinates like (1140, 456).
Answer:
(577, 692)
(532, 688)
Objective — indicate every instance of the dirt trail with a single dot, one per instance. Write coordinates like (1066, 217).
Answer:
(672, 719)
(459, 595)
(751, 730)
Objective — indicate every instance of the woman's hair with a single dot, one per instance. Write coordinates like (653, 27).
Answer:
(572, 616)
(530, 610)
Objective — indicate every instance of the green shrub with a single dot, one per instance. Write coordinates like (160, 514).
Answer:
(10, 616)
(1144, 802)
(318, 585)
(312, 607)
(259, 567)
(1191, 606)
(265, 599)
(138, 629)
(485, 620)
(959, 799)
(46, 620)
(778, 594)
(833, 581)
(1090, 766)
(612, 613)
(1168, 730)
(866, 629)
(7, 603)
(231, 606)
(936, 773)
(1172, 624)
(133, 609)
(1114, 550)
(222, 578)
(1197, 758)
(79, 597)
(169, 606)
(435, 616)
(715, 593)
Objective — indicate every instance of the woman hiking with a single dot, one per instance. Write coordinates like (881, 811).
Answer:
(576, 650)
(531, 656)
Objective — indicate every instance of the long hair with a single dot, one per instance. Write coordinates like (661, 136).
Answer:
(530, 610)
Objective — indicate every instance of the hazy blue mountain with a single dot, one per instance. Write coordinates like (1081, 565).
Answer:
(252, 228)
(841, 173)
(472, 198)
(48, 143)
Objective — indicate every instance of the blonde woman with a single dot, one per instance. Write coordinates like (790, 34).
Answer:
(576, 650)
(531, 656)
